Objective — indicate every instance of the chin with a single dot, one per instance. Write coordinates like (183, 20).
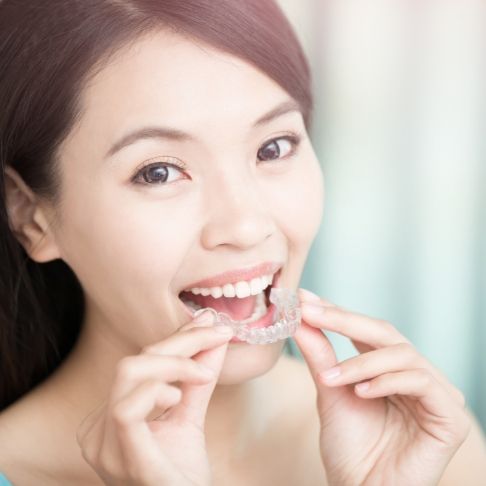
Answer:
(245, 361)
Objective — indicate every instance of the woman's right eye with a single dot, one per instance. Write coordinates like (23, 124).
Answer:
(156, 173)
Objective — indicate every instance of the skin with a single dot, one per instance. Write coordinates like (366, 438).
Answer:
(226, 210)
(135, 247)
(408, 423)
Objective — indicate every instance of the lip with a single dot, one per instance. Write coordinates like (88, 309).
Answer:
(233, 276)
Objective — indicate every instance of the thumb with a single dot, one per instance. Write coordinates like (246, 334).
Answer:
(319, 355)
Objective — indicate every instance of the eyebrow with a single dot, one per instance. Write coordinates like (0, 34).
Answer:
(181, 136)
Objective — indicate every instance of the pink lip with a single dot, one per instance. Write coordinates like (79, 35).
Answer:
(234, 276)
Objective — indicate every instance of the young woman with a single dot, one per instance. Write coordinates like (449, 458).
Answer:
(151, 147)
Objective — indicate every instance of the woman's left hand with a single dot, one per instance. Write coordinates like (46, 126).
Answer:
(402, 429)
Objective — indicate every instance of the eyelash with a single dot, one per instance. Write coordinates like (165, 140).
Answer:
(294, 139)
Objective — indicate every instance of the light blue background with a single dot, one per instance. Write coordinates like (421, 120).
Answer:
(399, 129)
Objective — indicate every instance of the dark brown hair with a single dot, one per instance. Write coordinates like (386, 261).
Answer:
(48, 51)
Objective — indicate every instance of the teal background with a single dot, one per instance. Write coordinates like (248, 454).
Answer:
(4, 481)
(399, 129)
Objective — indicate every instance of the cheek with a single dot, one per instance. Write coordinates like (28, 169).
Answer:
(298, 202)
(124, 247)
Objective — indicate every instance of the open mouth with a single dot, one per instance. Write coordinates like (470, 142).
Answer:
(248, 309)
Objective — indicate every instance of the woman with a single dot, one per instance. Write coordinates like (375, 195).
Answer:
(151, 147)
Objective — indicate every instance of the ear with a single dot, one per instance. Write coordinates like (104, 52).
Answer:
(28, 220)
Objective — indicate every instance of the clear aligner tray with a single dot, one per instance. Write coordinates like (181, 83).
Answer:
(288, 319)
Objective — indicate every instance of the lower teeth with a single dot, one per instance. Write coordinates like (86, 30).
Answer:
(287, 310)
(259, 311)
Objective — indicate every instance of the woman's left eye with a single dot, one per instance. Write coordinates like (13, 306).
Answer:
(279, 148)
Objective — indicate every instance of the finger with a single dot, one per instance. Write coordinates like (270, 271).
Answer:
(195, 398)
(199, 319)
(127, 421)
(417, 383)
(134, 369)
(207, 339)
(393, 358)
(373, 332)
(319, 355)
(308, 296)
(191, 340)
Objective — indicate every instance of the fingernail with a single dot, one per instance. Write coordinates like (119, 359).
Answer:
(308, 295)
(226, 330)
(313, 309)
(330, 374)
(203, 316)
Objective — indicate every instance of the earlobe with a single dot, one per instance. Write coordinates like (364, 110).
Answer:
(27, 220)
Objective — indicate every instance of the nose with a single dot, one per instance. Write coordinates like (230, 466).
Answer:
(237, 215)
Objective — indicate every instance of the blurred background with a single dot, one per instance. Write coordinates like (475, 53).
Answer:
(399, 128)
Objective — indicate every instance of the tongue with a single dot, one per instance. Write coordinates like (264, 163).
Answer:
(236, 308)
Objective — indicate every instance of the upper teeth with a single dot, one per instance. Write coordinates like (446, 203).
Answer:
(239, 289)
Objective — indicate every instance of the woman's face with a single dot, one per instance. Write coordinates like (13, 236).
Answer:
(136, 239)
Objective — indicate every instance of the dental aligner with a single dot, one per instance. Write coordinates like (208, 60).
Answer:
(287, 310)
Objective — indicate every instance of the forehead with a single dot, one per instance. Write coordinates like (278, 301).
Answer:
(168, 78)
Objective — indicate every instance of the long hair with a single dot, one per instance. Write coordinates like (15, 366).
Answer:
(49, 49)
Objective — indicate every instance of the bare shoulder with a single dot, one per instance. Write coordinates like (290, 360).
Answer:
(19, 439)
(29, 452)
(468, 465)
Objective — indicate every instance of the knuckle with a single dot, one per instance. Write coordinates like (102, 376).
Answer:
(120, 414)
(387, 326)
(459, 429)
(125, 368)
(410, 354)
(465, 426)
(393, 331)
(384, 323)
(461, 398)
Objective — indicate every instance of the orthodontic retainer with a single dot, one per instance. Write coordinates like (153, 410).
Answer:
(289, 317)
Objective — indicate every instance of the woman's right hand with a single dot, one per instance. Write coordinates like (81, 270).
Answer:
(118, 440)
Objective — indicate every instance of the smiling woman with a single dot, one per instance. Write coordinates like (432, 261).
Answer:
(153, 144)
(155, 152)
(63, 112)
